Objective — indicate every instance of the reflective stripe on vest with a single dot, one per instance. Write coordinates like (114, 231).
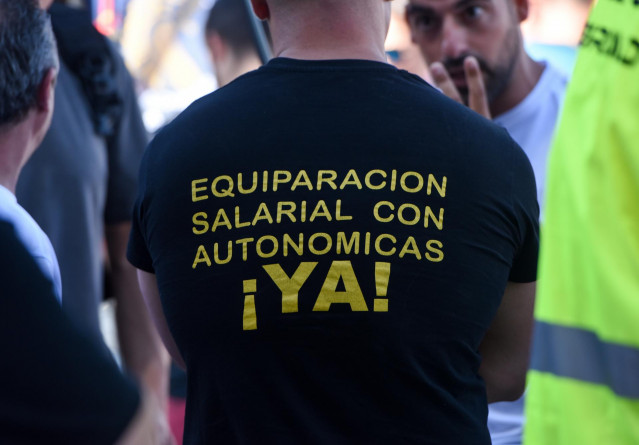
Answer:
(579, 354)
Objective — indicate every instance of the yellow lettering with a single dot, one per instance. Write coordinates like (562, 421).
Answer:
(393, 185)
(258, 246)
(352, 295)
(244, 243)
(338, 212)
(328, 177)
(351, 178)
(288, 212)
(249, 318)
(253, 186)
(200, 222)
(439, 222)
(265, 181)
(367, 244)
(321, 210)
(410, 247)
(325, 250)
(195, 189)
(221, 220)
(376, 211)
(262, 214)
(290, 286)
(378, 244)
(437, 250)
(280, 177)
(370, 185)
(441, 189)
(224, 192)
(382, 276)
(302, 179)
(400, 214)
(238, 224)
(201, 257)
(420, 182)
(298, 248)
(348, 246)
(216, 253)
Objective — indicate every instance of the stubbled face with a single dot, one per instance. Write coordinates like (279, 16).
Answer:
(448, 31)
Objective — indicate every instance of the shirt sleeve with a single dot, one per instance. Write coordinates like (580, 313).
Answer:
(57, 385)
(138, 252)
(526, 211)
(125, 149)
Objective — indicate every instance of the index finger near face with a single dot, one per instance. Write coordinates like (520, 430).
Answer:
(444, 82)
(477, 97)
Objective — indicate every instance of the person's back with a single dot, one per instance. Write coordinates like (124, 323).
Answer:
(332, 240)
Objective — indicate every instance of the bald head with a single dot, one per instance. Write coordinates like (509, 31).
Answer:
(326, 29)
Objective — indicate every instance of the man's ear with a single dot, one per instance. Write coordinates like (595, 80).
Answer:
(217, 47)
(46, 91)
(261, 10)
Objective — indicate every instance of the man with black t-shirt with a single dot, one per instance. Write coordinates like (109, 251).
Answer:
(343, 254)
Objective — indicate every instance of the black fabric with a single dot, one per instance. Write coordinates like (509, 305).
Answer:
(333, 368)
(86, 52)
(55, 386)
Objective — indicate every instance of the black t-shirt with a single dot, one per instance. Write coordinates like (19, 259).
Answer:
(56, 386)
(331, 241)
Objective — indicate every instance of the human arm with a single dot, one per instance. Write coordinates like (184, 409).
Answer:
(145, 427)
(149, 287)
(140, 345)
(505, 348)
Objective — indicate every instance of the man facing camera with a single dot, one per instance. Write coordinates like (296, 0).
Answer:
(477, 58)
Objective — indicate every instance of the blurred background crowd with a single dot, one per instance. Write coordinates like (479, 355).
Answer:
(164, 46)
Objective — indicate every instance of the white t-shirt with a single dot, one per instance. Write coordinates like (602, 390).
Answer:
(532, 125)
(532, 122)
(33, 238)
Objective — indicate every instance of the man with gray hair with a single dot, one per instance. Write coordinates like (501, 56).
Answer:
(57, 386)
(335, 251)
(28, 72)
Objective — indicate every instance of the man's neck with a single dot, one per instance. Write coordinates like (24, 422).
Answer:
(339, 33)
(16, 146)
(524, 78)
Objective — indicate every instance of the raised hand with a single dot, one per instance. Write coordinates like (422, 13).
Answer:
(477, 98)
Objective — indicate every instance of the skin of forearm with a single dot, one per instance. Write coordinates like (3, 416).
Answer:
(142, 351)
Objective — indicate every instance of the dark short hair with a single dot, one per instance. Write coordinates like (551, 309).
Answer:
(28, 51)
(230, 19)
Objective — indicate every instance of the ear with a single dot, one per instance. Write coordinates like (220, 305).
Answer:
(261, 10)
(46, 89)
(217, 47)
(522, 8)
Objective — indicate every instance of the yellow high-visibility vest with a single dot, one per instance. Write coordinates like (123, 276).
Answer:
(583, 386)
